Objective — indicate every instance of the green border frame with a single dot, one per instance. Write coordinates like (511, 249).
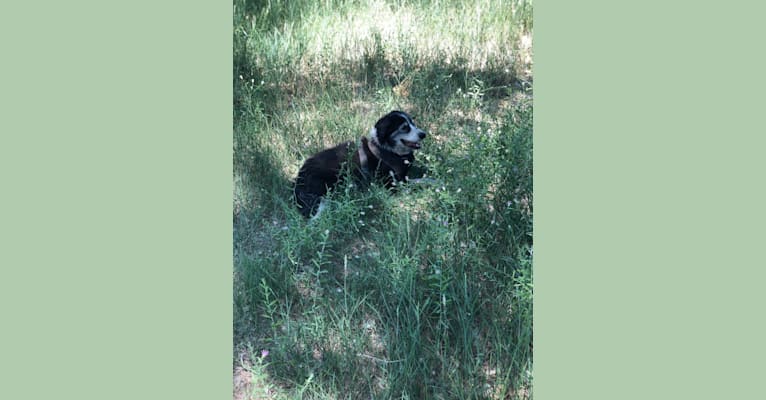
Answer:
(115, 163)
(648, 184)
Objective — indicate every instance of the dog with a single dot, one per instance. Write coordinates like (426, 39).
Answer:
(386, 155)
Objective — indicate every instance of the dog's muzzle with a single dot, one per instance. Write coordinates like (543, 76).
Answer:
(415, 145)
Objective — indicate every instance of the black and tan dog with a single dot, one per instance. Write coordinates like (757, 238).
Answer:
(386, 155)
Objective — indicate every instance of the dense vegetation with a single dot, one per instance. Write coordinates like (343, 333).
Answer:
(424, 293)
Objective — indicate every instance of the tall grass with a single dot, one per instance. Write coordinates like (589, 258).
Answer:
(425, 293)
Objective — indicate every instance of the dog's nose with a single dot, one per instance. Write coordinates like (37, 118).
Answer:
(421, 134)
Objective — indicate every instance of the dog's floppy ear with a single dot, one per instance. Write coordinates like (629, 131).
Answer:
(383, 127)
(388, 124)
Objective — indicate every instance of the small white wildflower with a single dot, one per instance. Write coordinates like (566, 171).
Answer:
(252, 80)
(459, 190)
(326, 232)
(241, 78)
(370, 206)
(361, 212)
(437, 271)
(262, 82)
(338, 290)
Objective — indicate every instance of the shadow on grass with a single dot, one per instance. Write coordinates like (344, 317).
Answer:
(261, 191)
(426, 89)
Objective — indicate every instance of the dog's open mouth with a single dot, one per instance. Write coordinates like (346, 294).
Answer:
(414, 145)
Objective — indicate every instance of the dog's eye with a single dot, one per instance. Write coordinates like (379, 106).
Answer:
(405, 128)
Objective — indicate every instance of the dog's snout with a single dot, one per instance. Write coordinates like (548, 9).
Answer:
(421, 135)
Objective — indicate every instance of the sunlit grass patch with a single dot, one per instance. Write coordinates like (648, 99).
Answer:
(311, 44)
(478, 32)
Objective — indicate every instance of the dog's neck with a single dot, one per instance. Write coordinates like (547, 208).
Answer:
(377, 156)
(373, 144)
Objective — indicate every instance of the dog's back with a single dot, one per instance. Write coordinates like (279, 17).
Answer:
(320, 172)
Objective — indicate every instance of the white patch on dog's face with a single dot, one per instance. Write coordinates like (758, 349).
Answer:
(402, 136)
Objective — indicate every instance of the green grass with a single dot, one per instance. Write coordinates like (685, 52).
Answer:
(425, 293)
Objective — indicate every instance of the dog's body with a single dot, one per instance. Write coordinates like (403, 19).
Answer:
(387, 155)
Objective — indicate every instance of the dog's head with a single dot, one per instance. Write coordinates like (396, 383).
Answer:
(397, 132)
